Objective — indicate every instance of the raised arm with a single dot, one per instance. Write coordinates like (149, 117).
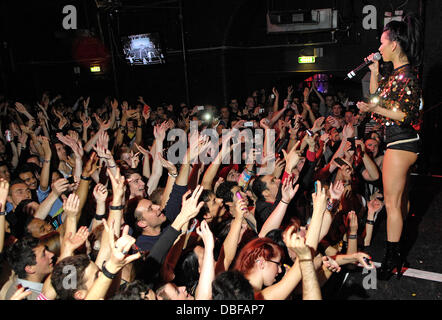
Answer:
(275, 219)
(157, 168)
(371, 172)
(276, 102)
(173, 174)
(113, 266)
(230, 244)
(146, 161)
(204, 289)
(4, 190)
(352, 232)
(44, 176)
(310, 284)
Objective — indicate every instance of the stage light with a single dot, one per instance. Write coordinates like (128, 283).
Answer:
(95, 69)
(306, 59)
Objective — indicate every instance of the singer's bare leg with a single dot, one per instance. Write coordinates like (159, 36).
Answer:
(394, 176)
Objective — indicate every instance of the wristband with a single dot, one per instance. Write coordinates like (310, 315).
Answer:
(174, 175)
(370, 222)
(99, 216)
(44, 160)
(353, 236)
(116, 207)
(2, 213)
(107, 273)
(284, 202)
(331, 205)
(110, 167)
(305, 260)
(85, 178)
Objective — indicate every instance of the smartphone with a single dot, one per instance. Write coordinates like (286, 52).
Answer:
(309, 132)
(146, 109)
(352, 141)
(238, 195)
(367, 261)
(70, 179)
(248, 124)
(200, 108)
(272, 96)
(8, 135)
(340, 162)
(261, 110)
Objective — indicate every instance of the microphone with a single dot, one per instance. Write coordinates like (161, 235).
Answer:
(377, 56)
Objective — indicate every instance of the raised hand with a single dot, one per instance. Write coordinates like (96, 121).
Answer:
(319, 198)
(318, 125)
(119, 249)
(190, 206)
(290, 90)
(117, 181)
(101, 147)
(169, 166)
(217, 183)
(86, 102)
(348, 131)
(26, 129)
(352, 222)
(71, 205)
(20, 107)
(91, 165)
(292, 158)
(4, 191)
(279, 168)
(336, 190)
(114, 104)
(134, 160)
(159, 131)
(296, 242)
(333, 121)
(325, 137)
(275, 92)
(100, 193)
(142, 150)
(76, 146)
(60, 186)
(374, 206)
(73, 242)
(241, 208)
(289, 190)
(44, 141)
(204, 232)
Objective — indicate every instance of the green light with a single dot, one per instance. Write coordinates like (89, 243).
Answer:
(306, 59)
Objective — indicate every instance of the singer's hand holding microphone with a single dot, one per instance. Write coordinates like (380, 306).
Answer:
(374, 66)
(372, 61)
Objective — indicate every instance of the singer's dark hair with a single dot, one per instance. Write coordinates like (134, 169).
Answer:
(408, 33)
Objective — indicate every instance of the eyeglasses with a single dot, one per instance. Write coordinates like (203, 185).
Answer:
(275, 262)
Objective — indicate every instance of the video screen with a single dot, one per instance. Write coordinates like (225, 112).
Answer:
(143, 49)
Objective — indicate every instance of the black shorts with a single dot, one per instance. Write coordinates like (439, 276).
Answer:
(403, 138)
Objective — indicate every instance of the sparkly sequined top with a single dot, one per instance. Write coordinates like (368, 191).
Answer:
(399, 91)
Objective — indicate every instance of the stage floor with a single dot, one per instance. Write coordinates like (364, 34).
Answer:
(423, 229)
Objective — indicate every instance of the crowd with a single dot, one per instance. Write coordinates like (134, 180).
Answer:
(92, 208)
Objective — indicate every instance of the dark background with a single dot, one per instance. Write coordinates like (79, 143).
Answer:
(229, 53)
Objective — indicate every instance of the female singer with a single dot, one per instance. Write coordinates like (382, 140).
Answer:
(395, 103)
